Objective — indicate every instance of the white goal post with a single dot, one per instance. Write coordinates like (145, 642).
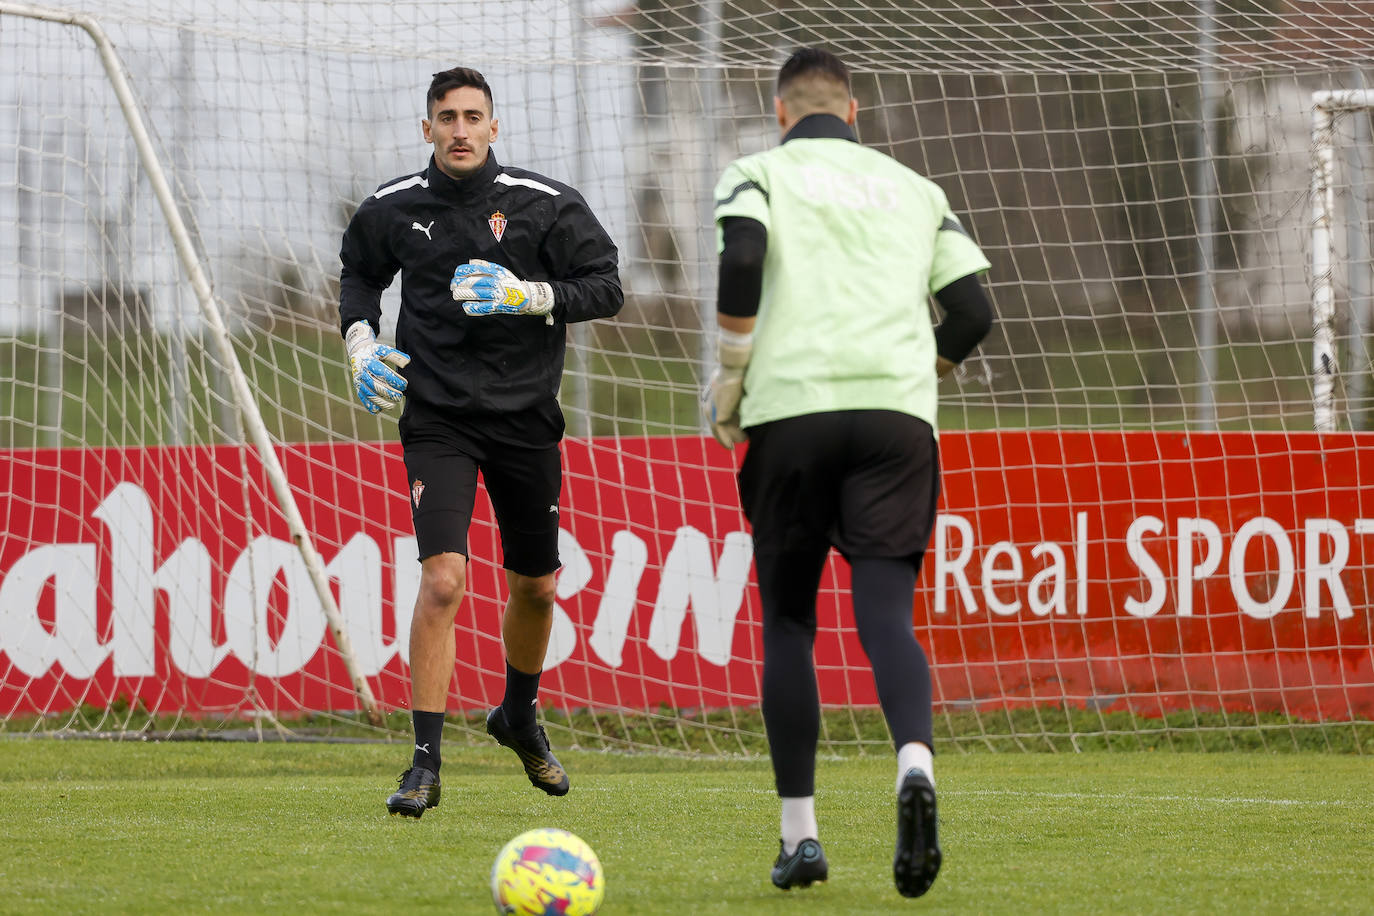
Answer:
(1327, 107)
(1142, 541)
(244, 399)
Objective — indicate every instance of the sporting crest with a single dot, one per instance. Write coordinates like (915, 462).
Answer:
(497, 222)
(416, 489)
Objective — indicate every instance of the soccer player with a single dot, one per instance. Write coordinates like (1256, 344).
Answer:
(495, 262)
(828, 365)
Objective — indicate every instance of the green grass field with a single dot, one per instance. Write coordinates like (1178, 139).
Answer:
(95, 826)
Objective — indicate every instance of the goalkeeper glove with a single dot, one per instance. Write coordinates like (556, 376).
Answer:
(720, 401)
(377, 386)
(485, 288)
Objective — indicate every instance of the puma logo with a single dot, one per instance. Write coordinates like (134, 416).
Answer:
(423, 747)
(424, 229)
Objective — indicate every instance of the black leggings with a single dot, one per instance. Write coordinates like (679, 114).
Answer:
(883, 590)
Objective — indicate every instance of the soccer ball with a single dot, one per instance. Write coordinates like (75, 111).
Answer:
(547, 871)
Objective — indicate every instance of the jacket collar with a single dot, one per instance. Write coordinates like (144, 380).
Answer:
(466, 189)
(819, 127)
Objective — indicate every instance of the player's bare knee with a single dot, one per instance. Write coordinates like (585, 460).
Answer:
(443, 581)
(534, 593)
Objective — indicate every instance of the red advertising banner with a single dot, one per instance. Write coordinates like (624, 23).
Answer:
(1120, 570)
(1228, 570)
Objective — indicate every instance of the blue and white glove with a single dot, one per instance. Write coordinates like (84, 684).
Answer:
(377, 386)
(725, 389)
(485, 288)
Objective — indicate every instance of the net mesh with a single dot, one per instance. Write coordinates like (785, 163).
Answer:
(1138, 173)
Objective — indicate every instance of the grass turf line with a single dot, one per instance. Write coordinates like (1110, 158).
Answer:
(739, 730)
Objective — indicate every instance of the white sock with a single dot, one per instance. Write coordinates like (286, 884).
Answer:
(798, 822)
(914, 754)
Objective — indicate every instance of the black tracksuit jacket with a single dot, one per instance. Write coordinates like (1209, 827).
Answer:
(498, 372)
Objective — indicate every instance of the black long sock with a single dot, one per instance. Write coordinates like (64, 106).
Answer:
(522, 691)
(429, 729)
(883, 591)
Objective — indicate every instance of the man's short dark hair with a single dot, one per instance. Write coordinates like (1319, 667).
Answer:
(457, 78)
(813, 62)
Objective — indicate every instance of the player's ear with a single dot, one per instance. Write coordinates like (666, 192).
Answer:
(424, 129)
(780, 109)
(495, 127)
(853, 112)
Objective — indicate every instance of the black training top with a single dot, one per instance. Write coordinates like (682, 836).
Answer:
(502, 369)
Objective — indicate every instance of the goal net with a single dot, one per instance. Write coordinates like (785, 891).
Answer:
(1155, 524)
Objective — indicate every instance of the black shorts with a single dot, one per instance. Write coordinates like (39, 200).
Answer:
(863, 481)
(442, 462)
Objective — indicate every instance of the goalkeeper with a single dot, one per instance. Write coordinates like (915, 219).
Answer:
(828, 365)
(495, 262)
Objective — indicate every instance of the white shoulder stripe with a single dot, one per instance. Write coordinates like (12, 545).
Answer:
(505, 179)
(410, 182)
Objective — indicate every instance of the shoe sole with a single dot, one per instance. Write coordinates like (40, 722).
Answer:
(555, 789)
(801, 882)
(408, 809)
(917, 861)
